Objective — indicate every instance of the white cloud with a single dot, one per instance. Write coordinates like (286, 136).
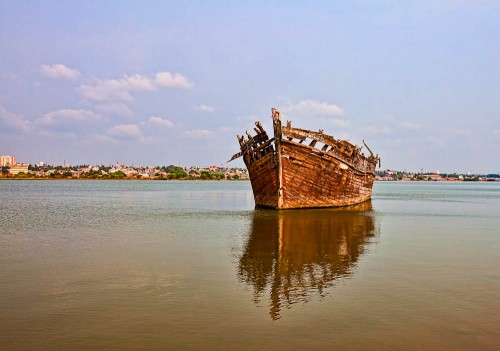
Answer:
(58, 71)
(106, 90)
(198, 133)
(496, 132)
(406, 125)
(102, 139)
(205, 108)
(16, 122)
(125, 131)
(160, 121)
(118, 109)
(172, 80)
(312, 109)
(138, 82)
(70, 116)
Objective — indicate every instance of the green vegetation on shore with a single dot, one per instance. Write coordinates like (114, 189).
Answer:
(122, 172)
(391, 175)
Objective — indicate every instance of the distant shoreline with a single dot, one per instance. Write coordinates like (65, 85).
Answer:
(125, 179)
(233, 180)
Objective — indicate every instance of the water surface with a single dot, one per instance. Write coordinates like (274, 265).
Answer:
(191, 265)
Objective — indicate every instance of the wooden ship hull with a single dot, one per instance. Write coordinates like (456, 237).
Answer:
(299, 168)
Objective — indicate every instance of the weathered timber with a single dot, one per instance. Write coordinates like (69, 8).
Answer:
(286, 173)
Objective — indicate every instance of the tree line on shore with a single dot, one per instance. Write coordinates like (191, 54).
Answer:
(433, 176)
(109, 172)
(196, 173)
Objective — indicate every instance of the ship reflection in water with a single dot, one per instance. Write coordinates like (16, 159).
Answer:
(293, 256)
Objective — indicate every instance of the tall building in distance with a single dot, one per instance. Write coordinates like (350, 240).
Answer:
(7, 161)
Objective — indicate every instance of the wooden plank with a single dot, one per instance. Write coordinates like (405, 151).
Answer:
(307, 184)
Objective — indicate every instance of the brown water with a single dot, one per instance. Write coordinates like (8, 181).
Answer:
(191, 265)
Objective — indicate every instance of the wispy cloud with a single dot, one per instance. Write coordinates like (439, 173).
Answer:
(59, 71)
(125, 132)
(69, 116)
(198, 133)
(14, 121)
(205, 108)
(114, 89)
(172, 80)
(316, 109)
(101, 138)
(114, 108)
(105, 90)
(163, 122)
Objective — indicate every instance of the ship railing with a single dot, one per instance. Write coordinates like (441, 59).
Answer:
(324, 144)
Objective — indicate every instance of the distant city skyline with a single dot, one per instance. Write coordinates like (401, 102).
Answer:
(8, 160)
(165, 82)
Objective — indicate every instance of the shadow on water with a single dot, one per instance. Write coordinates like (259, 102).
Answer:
(294, 255)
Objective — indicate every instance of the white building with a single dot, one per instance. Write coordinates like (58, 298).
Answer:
(7, 161)
(19, 168)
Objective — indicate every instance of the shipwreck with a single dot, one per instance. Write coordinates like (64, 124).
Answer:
(300, 168)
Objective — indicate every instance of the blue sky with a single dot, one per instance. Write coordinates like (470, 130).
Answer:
(169, 82)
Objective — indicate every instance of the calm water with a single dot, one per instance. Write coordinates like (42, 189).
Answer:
(191, 265)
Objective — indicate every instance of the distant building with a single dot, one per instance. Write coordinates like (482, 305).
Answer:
(18, 168)
(434, 176)
(7, 161)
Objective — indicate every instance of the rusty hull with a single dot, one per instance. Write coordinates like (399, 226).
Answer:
(299, 168)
